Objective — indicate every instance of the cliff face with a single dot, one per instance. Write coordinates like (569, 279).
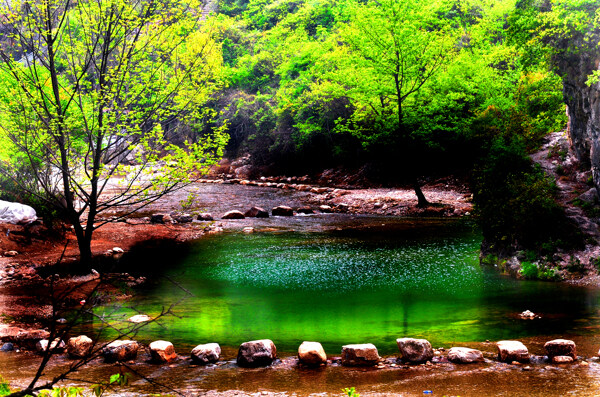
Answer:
(583, 101)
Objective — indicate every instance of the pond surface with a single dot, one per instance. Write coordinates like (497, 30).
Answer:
(414, 278)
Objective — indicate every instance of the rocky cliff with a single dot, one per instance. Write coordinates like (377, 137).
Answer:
(579, 58)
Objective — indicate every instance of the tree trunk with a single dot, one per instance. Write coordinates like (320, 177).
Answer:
(84, 243)
(420, 196)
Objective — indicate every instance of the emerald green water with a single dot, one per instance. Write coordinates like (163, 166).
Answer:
(407, 278)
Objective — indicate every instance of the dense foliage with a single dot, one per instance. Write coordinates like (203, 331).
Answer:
(403, 89)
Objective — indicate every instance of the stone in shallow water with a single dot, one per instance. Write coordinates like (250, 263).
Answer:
(120, 350)
(257, 353)
(234, 214)
(365, 354)
(561, 347)
(256, 212)
(207, 353)
(139, 318)
(562, 359)
(205, 216)
(312, 353)
(512, 350)
(57, 346)
(79, 346)
(464, 355)
(282, 210)
(415, 350)
(162, 351)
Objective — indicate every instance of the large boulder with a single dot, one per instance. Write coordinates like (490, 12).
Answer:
(415, 350)
(257, 353)
(561, 347)
(256, 212)
(365, 354)
(16, 213)
(282, 210)
(206, 354)
(79, 346)
(312, 353)
(512, 350)
(233, 214)
(162, 351)
(464, 355)
(120, 350)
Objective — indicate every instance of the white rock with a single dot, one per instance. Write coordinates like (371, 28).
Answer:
(16, 213)
(139, 318)
(312, 353)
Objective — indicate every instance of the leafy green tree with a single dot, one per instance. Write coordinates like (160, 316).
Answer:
(395, 48)
(91, 89)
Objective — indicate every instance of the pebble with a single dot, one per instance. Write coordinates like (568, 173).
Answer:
(527, 368)
(585, 364)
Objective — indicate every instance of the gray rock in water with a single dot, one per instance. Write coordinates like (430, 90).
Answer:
(16, 213)
(256, 212)
(206, 354)
(257, 353)
(305, 210)
(464, 355)
(234, 214)
(415, 350)
(312, 353)
(360, 355)
(120, 350)
(282, 210)
(561, 347)
(79, 346)
(512, 350)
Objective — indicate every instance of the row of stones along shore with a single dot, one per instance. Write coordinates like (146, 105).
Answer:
(263, 352)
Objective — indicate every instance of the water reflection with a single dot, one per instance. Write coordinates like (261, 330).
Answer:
(417, 278)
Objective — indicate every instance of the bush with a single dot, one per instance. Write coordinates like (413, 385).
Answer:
(515, 202)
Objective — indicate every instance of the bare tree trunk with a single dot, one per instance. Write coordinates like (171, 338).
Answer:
(420, 196)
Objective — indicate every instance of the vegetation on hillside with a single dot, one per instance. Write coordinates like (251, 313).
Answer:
(403, 89)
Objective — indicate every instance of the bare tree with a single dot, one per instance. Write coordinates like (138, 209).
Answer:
(90, 88)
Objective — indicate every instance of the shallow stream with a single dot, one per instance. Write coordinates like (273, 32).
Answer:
(342, 280)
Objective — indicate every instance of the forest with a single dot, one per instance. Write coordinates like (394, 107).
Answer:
(396, 91)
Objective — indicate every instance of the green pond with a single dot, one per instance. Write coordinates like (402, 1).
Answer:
(416, 278)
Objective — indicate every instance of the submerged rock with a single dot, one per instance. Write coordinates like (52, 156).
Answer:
(16, 213)
(7, 347)
(282, 210)
(561, 347)
(162, 351)
(415, 350)
(512, 350)
(365, 354)
(312, 353)
(120, 350)
(233, 214)
(79, 346)
(464, 355)
(257, 353)
(206, 354)
(256, 212)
